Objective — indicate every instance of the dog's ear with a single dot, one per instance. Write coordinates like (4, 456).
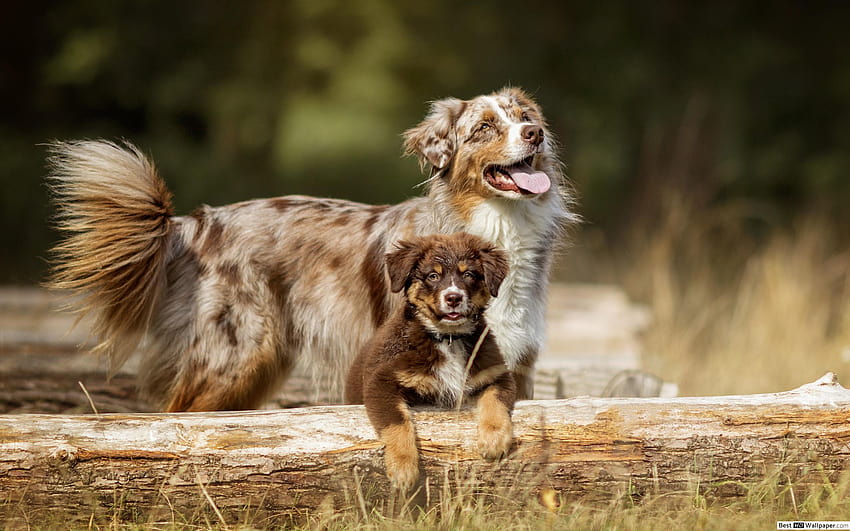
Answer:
(433, 141)
(400, 263)
(495, 265)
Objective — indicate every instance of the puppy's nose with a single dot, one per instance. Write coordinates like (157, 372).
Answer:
(453, 299)
(533, 134)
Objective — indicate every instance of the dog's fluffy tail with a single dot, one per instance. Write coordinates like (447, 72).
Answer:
(114, 211)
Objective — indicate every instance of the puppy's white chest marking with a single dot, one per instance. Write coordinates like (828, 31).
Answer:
(451, 373)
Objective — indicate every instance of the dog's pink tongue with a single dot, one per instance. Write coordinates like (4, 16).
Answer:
(535, 182)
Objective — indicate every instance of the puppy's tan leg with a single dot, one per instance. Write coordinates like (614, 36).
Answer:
(391, 418)
(495, 429)
(401, 455)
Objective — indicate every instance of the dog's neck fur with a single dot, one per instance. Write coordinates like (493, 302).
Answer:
(527, 229)
(440, 337)
(454, 352)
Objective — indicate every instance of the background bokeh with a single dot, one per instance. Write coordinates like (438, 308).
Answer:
(709, 143)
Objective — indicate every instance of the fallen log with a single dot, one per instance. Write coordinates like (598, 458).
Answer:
(294, 461)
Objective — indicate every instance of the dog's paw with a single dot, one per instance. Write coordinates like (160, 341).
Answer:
(401, 455)
(494, 439)
(402, 471)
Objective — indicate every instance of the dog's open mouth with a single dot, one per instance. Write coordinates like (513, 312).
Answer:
(519, 178)
(452, 316)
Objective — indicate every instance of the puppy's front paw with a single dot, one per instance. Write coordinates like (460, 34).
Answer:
(402, 470)
(495, 438)
(401, 455)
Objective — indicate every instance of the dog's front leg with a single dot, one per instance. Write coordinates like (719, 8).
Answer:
(495, 429)
(392, 420)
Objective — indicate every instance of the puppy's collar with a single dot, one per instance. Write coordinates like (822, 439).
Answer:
(439, 338)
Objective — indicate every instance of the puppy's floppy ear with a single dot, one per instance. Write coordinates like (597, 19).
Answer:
(495, 265)
(433, 141)
(400, 263)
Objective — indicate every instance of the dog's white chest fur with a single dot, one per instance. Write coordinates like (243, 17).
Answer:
(517, 315)
(451, 373)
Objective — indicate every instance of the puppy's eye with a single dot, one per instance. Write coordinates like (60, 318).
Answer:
(526, 117)
(485, 126)
(433, 277)
(469, 275)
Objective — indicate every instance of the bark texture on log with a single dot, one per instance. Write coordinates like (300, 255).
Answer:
(291, 461)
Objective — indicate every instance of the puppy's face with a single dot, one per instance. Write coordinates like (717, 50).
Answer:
(494, 145)
(448, 280)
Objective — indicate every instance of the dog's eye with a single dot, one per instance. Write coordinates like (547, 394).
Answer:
(525, 117)
(484, 126)
(433, 277)
(469, 275)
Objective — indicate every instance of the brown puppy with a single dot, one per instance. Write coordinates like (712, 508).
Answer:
(425, 353)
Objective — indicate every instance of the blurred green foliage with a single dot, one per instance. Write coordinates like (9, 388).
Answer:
(722, 100)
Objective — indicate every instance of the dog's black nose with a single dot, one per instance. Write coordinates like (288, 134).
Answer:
(533, 134)
(453, 299)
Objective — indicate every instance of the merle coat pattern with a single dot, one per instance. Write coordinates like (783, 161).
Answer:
(222, 303)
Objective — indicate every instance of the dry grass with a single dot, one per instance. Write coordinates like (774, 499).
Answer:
(739, 304)
(766, 502)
